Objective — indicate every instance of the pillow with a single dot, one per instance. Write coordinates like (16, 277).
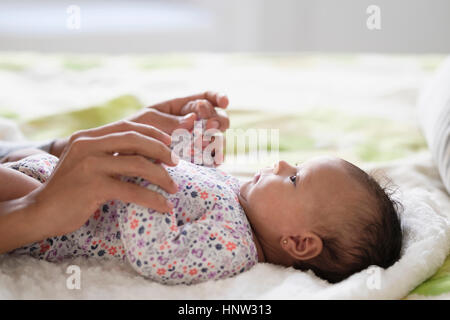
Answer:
(434, 117)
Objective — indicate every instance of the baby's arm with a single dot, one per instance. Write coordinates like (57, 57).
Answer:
(16, 222)
(21, 177)
(15, 184)
(200, 250)
(20, 154)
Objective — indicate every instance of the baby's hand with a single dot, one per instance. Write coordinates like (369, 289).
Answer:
(217, 119)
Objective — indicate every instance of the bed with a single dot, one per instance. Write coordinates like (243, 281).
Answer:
(359, 107)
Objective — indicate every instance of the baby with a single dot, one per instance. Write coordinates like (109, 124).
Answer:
(325, 215)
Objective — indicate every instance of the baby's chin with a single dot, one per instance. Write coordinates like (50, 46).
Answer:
(243, 190)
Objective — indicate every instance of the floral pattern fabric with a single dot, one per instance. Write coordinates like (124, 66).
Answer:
(205, 236)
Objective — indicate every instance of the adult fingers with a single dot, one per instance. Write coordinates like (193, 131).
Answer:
(129, 142)
(216, 99)
(123, 126)
(219, 121)
(174, 106)
(202, 108)
(205, 109)
(222, 101)
(129, 192)
(165, 121)
(137, 166)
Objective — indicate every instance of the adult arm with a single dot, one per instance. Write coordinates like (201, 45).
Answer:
(16, 222)
(86, 176)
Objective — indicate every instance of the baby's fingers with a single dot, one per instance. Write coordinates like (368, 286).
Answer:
(220, 121)
(202, 108)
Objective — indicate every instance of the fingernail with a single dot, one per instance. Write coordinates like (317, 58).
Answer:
(221, 96)
(169, 204)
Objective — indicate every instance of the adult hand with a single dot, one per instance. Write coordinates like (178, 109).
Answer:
(182, 112)
(87, 174)
(179, 113)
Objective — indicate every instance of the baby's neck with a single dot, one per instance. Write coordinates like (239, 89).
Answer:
(259, 250)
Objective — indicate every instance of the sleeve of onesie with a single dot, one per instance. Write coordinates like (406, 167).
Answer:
(167, 249)
(38, 166)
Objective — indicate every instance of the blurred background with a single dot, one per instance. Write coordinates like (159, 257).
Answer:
(339, 77)
(144, 26)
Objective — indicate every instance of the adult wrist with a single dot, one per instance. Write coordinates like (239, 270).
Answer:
(20, 223)
(58, 146)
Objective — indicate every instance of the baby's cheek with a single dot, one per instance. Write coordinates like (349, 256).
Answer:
(267, 192)
(264, 201)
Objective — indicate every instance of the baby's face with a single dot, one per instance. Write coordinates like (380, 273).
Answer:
(286, 200)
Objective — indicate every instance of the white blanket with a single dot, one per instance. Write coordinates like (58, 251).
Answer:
(426, 244)
(434, 116)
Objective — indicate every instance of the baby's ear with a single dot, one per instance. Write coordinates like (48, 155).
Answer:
(302, 247)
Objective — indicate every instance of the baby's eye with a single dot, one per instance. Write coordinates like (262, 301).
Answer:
(293, 179)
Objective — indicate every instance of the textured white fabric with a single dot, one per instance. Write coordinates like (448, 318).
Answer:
(434, 116)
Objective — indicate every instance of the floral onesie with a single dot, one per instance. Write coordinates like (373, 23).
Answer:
(205, 236)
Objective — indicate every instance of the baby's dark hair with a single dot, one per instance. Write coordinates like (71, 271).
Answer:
(373, 237)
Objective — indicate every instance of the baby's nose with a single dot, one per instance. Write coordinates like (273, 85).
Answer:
(280, 166)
